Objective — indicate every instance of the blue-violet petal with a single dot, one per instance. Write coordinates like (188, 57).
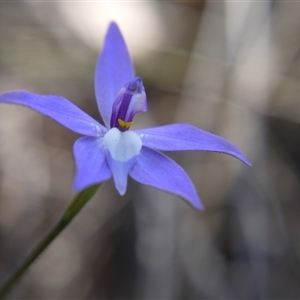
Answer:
(157, 170)
(90, 162)
(178, 137)
(57, 108)
(113, 69)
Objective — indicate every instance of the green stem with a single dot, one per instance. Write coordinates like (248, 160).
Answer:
(71, 211)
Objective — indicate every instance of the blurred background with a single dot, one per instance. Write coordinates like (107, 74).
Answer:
(228, 67)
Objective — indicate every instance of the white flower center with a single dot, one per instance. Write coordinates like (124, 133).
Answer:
(122, 145)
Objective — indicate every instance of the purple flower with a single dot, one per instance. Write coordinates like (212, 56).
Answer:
(113, 149)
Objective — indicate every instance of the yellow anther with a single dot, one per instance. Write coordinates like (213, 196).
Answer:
(124, 125)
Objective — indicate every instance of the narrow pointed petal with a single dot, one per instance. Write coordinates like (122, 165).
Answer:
(120, 170)
(90, 161)
(57, 108)
(113, 70)
(178, 137)
(157, 170)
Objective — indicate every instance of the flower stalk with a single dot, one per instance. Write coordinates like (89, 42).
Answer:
(78, 202)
